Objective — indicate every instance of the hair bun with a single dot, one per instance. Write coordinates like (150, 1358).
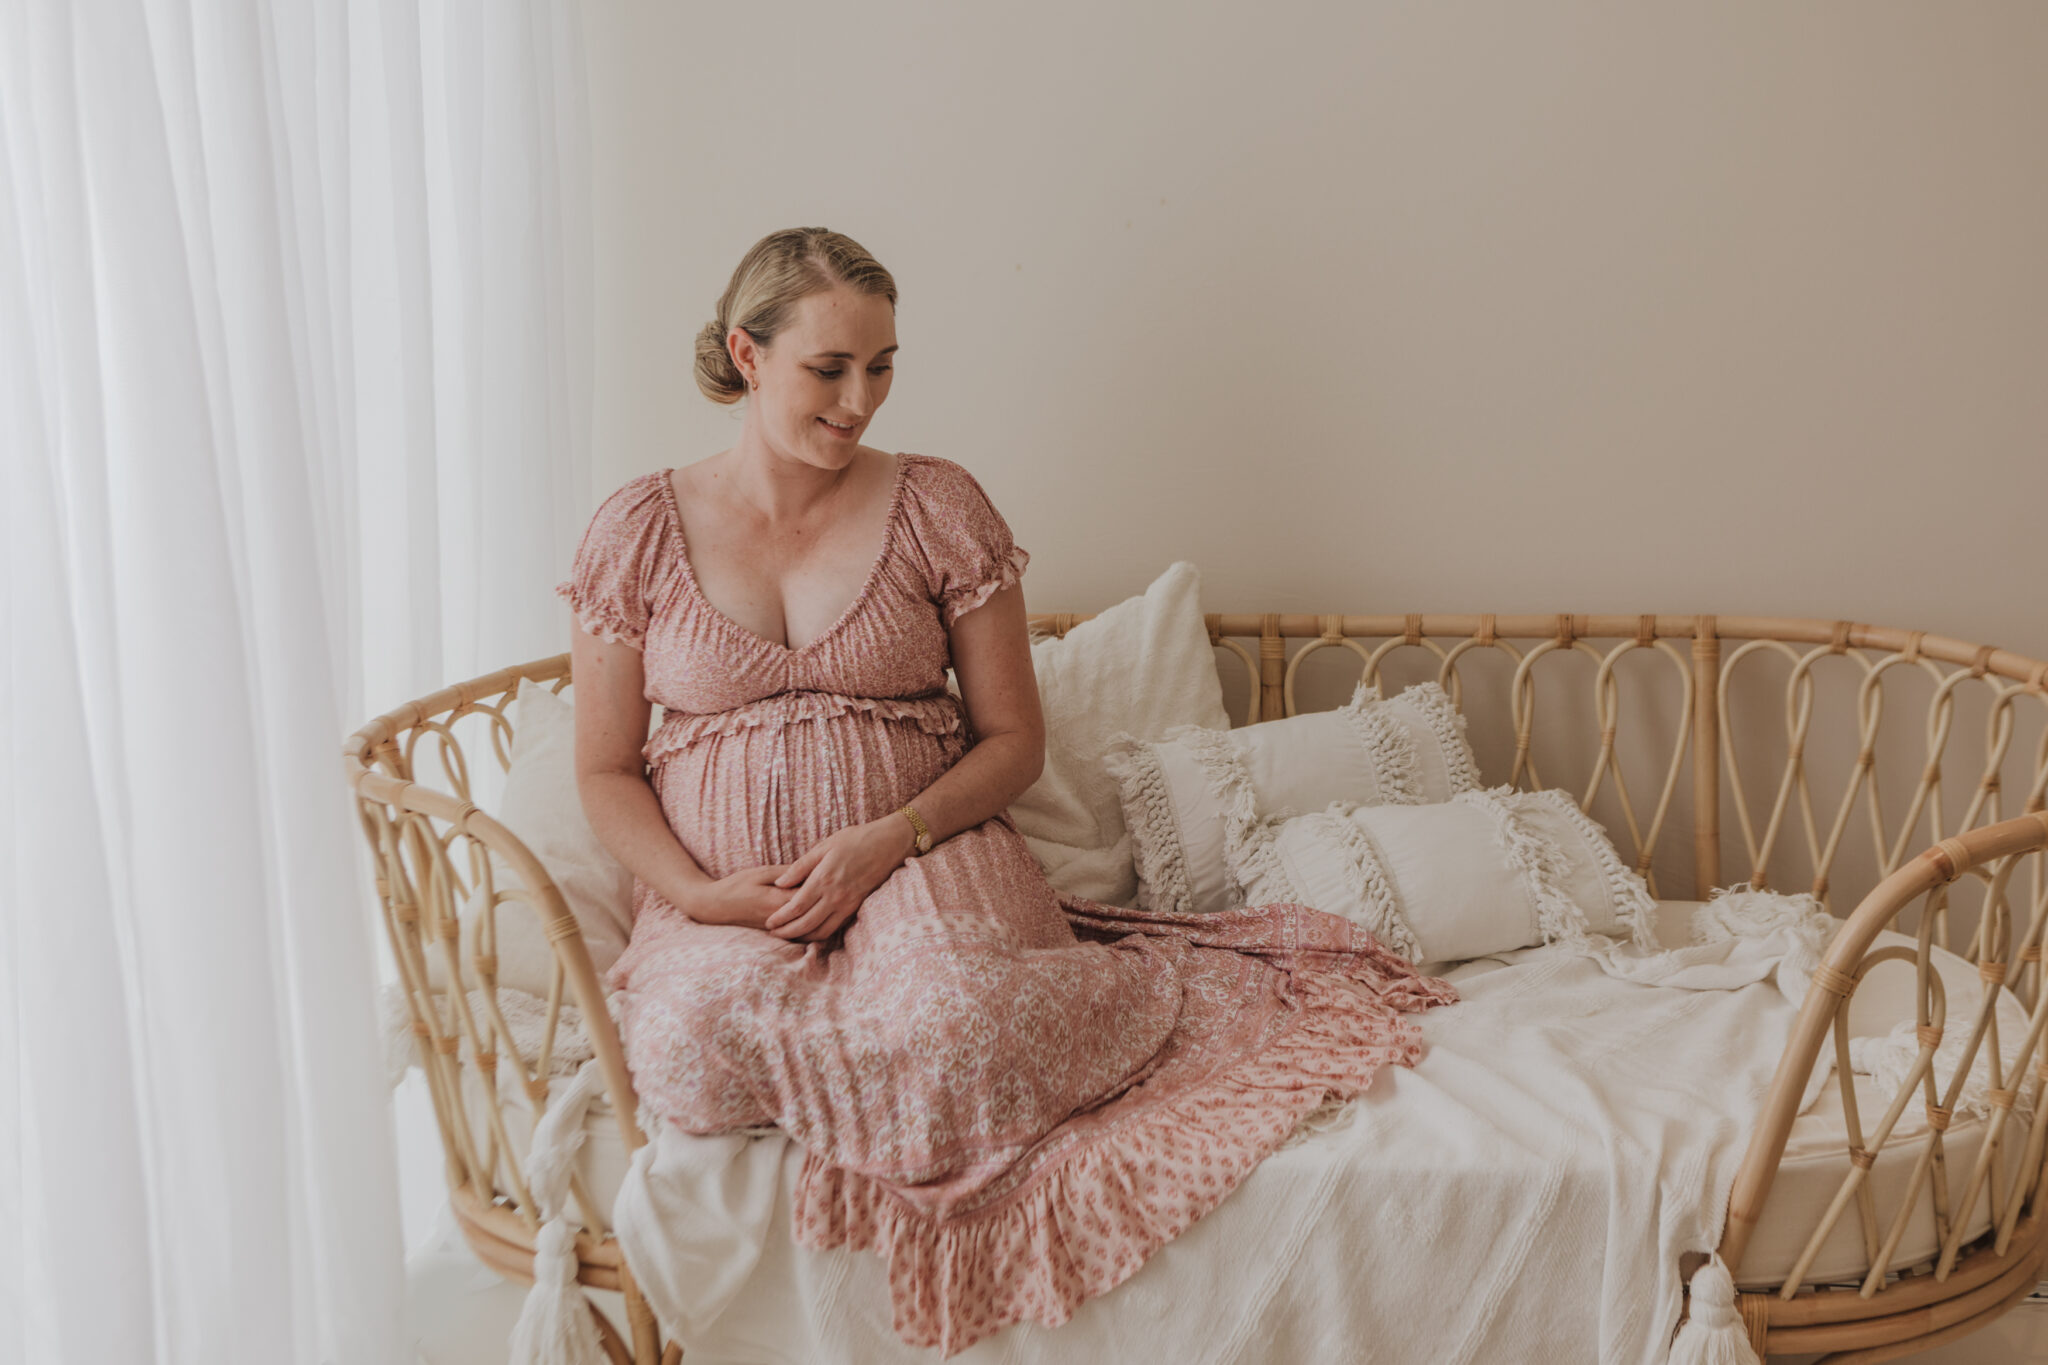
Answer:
(717, 375)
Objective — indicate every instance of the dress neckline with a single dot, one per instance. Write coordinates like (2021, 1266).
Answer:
(867, 587)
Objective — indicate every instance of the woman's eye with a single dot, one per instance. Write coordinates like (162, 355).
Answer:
(834, 374)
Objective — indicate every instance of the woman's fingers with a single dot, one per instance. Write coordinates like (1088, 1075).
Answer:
(799, 903)
(803, 908)
(839, 920)
(795, 873)
(807, 923)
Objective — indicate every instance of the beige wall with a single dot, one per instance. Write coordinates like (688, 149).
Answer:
(1388, 307)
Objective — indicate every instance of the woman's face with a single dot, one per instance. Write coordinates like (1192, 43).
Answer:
(822, 380)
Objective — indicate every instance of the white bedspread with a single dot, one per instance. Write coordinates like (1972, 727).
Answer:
(1524, 1193)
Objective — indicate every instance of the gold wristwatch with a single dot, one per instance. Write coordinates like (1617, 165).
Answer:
(924, 834)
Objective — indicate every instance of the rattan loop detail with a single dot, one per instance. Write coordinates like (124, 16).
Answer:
(1411, 630)
(1861, 1159)
(2001, 1099)
(1981, 664)
(1938, 1117)
(2031, 953)
(1486, 635)
(1991, 973)
(1955, 858)
(1928, 1036)
(1333, 630)
(1840, 643)
(1646, 630)
(1911, 654)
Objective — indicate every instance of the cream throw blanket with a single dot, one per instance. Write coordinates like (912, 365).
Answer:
(1526, 1193)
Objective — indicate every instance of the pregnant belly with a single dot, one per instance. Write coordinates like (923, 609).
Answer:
(762, 783)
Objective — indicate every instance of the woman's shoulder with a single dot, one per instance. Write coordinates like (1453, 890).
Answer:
(641, 493)
(637, 509)
(625, 553)
(942, 484)
(966, 544)
(632, 520)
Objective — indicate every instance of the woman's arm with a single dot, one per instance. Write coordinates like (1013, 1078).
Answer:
(992, 658)
(612, 713)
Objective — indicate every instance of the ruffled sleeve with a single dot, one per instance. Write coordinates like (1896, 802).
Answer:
(623, 562)
(968, 549)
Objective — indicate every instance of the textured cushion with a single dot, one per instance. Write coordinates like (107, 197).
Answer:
(1484, 872)
(1141, 667)
(1191, 798)
(541, 805)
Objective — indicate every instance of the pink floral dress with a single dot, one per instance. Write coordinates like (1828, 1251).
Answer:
(1013, 1095)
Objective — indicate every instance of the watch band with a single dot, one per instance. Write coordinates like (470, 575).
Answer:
(924, 834)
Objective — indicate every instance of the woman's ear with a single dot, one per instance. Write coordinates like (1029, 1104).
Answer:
(745, 354)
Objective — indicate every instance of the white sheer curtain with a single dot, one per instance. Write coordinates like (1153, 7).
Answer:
(293, 414)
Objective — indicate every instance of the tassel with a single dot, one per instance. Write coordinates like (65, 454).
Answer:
(1714, 1334)
(555, 1326)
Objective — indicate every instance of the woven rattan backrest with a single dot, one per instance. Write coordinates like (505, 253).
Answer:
(1829, 763)
(415, 775)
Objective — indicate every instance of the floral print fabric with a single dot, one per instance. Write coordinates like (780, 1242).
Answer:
(1012, 1095)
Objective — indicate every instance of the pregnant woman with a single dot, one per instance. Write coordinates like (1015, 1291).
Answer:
(1013, 1095)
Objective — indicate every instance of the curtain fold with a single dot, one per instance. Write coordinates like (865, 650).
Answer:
(294, 402)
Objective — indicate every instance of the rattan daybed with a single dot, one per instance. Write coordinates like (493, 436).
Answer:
(1898, 1225)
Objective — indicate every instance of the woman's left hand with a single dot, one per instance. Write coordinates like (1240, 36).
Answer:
(836, 874)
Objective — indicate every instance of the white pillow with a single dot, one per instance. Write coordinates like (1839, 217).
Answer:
(1485, 872)
(1142, 667)
(1191, 798)
(540, 805)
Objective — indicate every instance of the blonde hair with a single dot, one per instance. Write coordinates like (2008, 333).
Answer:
(777, 271)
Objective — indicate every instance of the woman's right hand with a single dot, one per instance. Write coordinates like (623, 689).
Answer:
(746, 898)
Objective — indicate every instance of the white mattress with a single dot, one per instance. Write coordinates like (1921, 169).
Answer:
(1814, 1164)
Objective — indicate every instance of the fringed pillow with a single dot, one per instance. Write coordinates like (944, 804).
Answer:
(1191, 798)
(1485, 872)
